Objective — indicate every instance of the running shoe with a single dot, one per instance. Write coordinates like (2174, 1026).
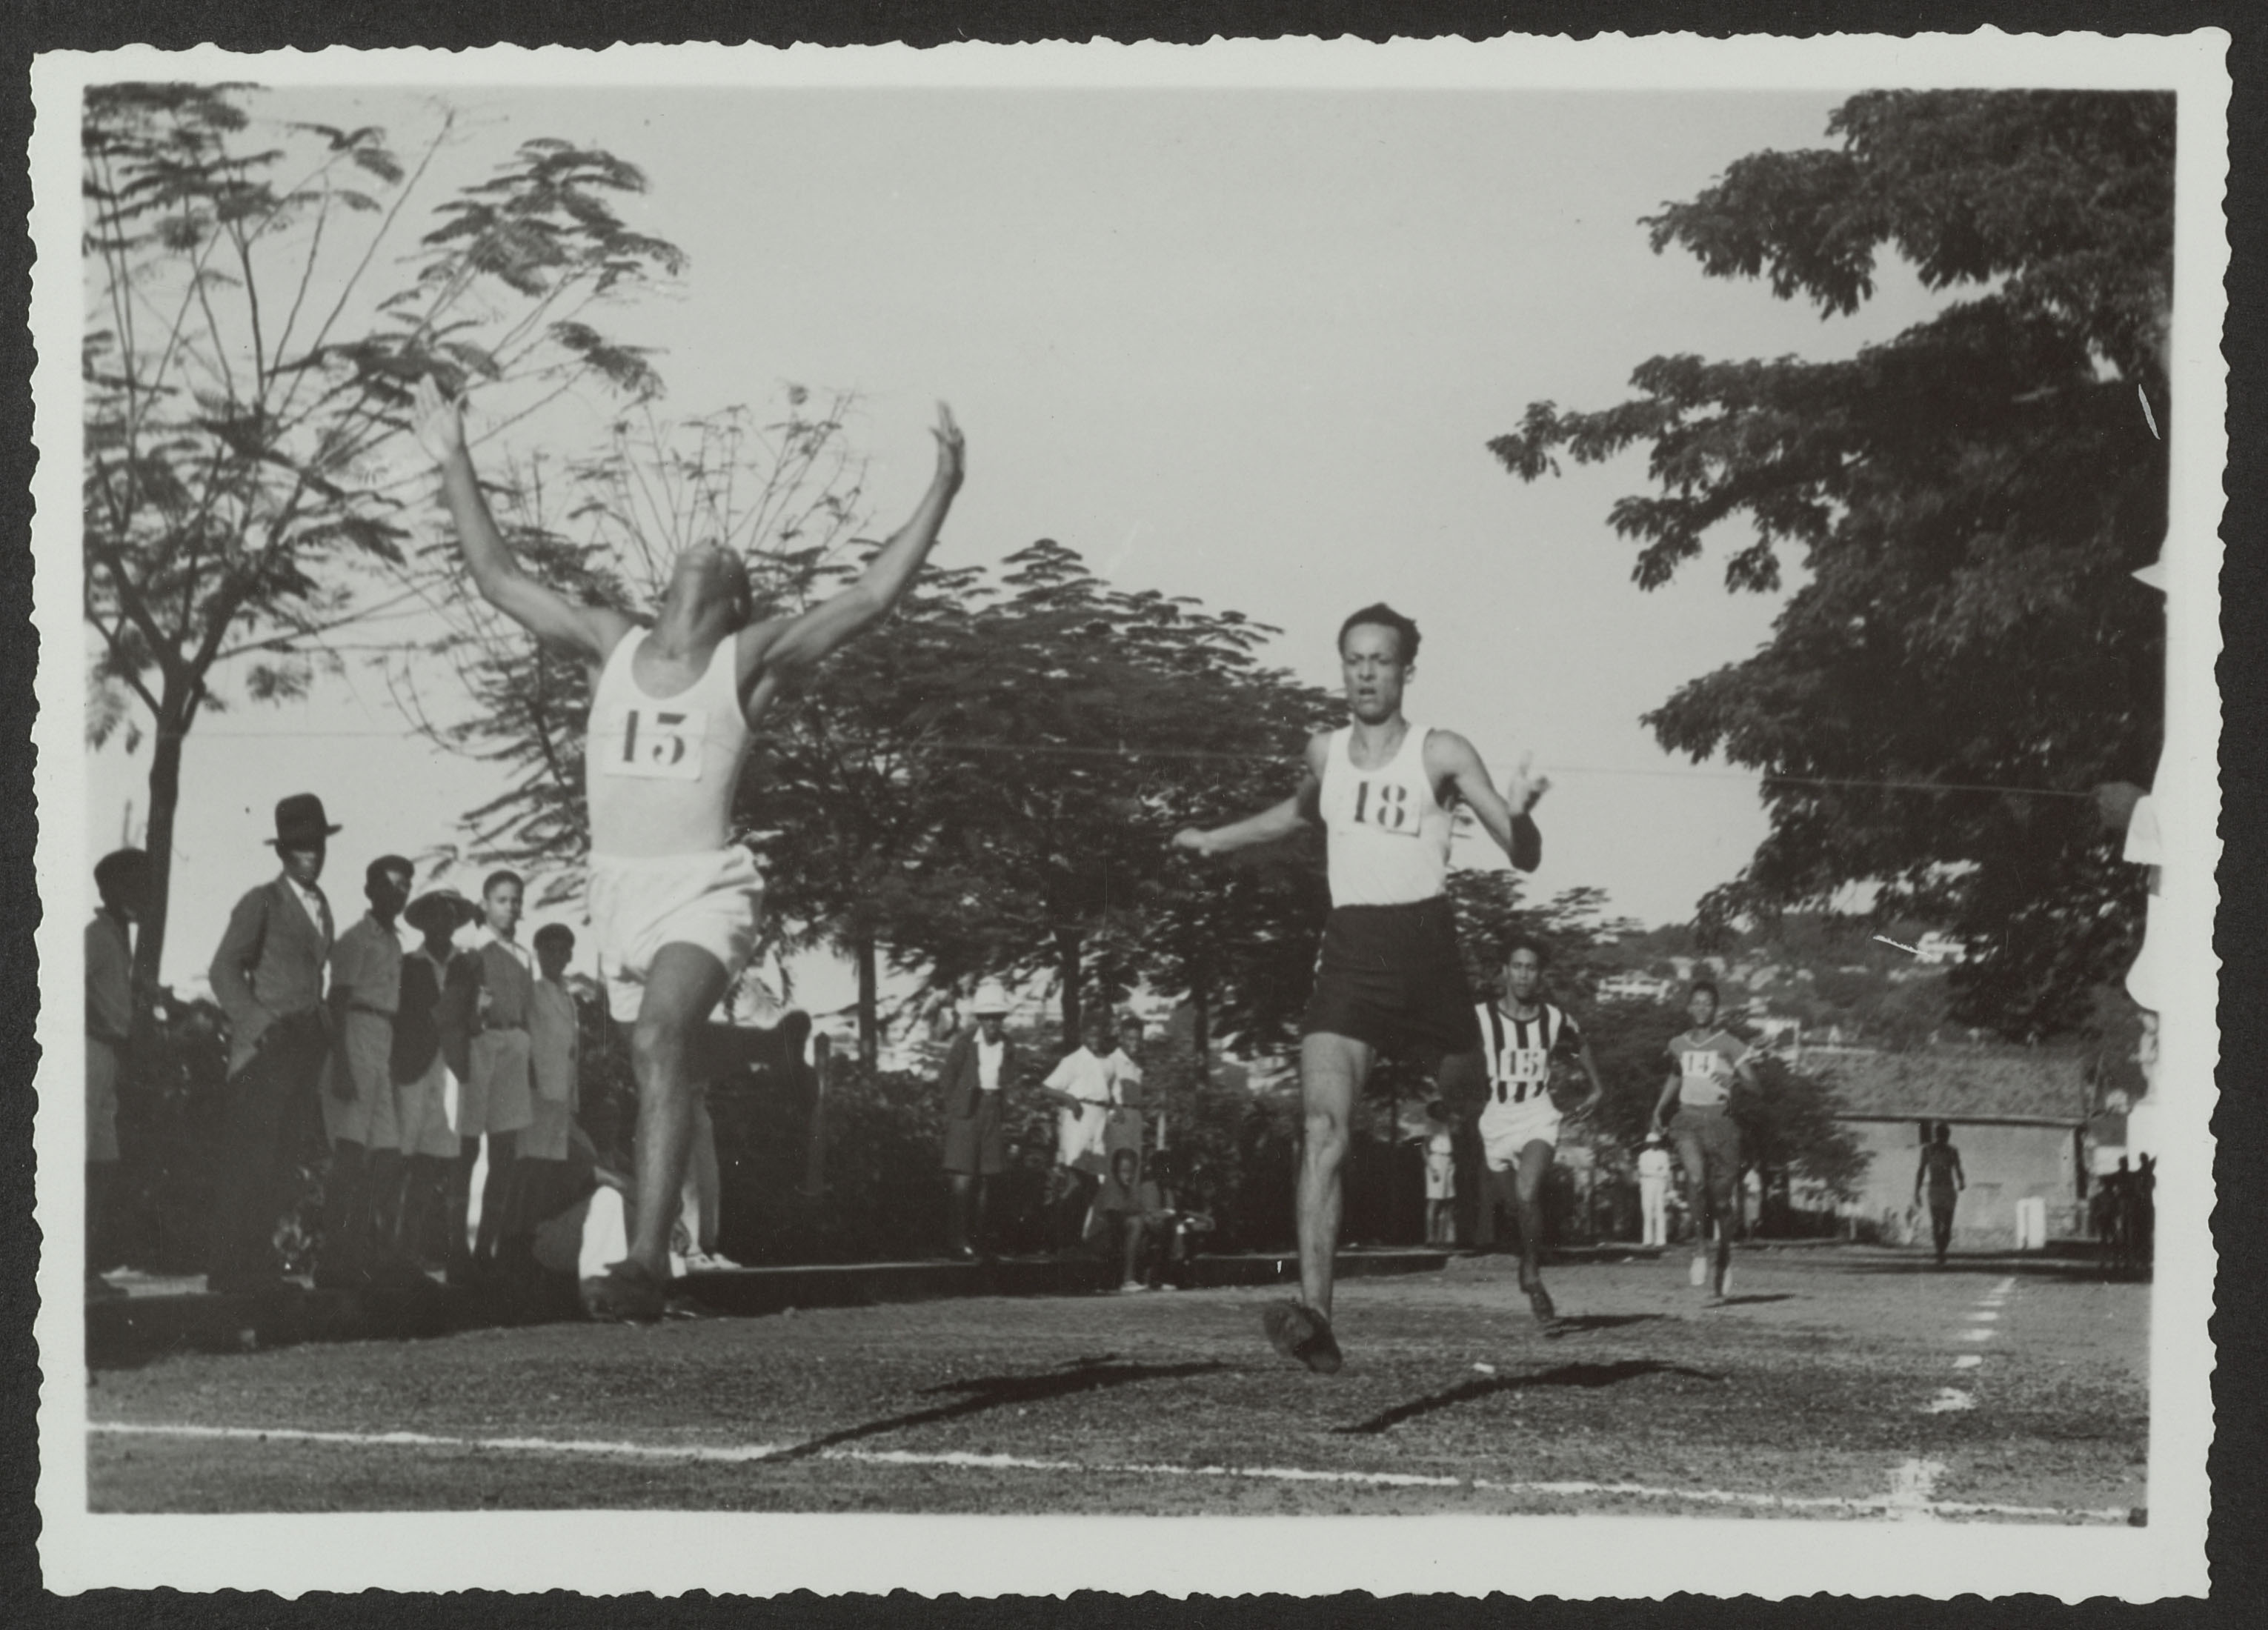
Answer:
(1725, 1279)
(1699, 1275)
(1132, 1287)
(626, 1293)
(1302, 1335)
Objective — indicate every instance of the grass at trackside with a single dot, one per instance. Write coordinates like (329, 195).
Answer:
(1811, 1383)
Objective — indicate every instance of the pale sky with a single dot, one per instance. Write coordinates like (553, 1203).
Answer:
(1243, 346)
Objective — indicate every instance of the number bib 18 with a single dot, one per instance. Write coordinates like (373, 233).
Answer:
(1385, 807)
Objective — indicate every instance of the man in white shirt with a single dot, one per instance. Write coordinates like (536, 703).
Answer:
(1081, 1086)
(1125, 1128)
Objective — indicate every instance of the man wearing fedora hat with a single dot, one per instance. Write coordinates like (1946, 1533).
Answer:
(980, 1067)
(673, 900)
(268, 976)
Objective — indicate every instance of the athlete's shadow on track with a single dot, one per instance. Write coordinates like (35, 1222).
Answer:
(1577, 1324)
(1083, 1374)
(1564, 1376)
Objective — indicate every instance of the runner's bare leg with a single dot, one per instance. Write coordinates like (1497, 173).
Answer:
(682, 988)
(1527, 1199)
(1332, 1069)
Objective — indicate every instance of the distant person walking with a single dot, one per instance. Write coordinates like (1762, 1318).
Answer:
(1941, 1175)
(1654, 1191)
(121, 880)
(268, 976)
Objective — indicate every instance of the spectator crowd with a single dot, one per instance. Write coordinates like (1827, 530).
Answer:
(443, 1071)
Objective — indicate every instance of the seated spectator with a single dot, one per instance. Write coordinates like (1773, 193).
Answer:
(1129, 1212)
(1172, 1234)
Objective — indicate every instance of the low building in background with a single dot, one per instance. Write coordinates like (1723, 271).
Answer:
(2019, 1118)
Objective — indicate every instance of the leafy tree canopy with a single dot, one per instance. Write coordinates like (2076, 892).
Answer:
(257, 313)
(1964, 657)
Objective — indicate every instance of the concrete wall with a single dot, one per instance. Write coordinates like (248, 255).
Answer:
(2003, 1164)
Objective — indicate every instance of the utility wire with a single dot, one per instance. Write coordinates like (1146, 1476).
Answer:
(1032, 750)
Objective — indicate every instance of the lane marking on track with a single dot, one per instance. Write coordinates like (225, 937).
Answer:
(1947, 1400)
(1985, 1317)
(1909, 1493)
(1967, 1361)
(1982, 1334)
(1910, 1485)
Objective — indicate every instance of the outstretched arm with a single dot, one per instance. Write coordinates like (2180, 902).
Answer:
(590, 631)
(787, 648)
(1275, 822)
(1450, 757)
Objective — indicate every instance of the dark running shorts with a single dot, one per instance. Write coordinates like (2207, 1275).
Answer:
(1389, 975)
(1706, 1134)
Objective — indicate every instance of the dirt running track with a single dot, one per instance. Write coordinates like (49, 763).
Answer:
(1836, 1384)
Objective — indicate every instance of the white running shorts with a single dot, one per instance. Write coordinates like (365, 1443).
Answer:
(1508, 1128)
(712, 899)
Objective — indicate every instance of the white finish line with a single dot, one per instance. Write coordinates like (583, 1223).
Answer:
(1909, 1495)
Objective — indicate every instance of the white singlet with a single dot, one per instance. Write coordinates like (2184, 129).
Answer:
(660, 771)
(1388, 836)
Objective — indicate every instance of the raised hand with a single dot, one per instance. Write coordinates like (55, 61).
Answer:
(438, 421)
(952, 453)
(1525, 787)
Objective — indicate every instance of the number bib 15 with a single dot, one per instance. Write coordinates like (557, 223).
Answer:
(1524, 1072)
(655, 743)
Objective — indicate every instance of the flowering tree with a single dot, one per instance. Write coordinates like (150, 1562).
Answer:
(262, 294)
